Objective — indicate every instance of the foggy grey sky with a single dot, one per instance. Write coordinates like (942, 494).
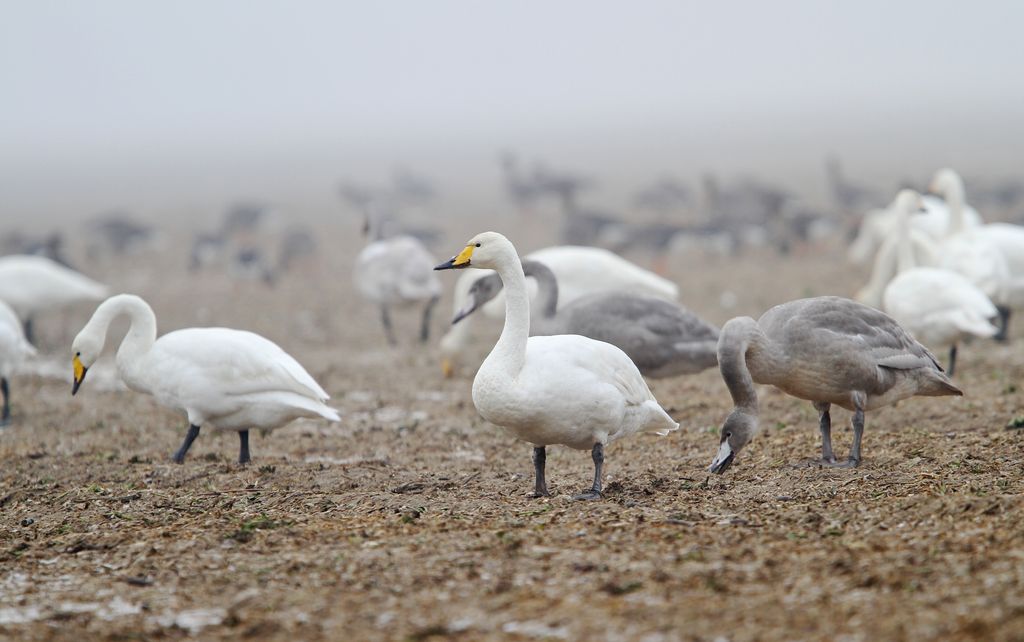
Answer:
(101, 87)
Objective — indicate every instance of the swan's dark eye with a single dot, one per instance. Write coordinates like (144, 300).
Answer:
(78, 354)
(728, 434)
(478, 245)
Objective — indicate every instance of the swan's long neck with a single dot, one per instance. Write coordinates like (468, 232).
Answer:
(547, 287)
(955, 200)
(141, 333)
(509, 352)
(904, 253)
(740, 336)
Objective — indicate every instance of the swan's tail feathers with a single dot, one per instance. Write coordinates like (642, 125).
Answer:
(659, 422)
(942, 386)
(328, 413)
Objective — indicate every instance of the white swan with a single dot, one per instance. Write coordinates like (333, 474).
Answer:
(563, 389)
(1007, 240)
(14, 348)
(33, 284)
(580, 271)
(225, 379)
(879, 225)
(396, 271)
(938, 306)
(662, 338)
(827, 350)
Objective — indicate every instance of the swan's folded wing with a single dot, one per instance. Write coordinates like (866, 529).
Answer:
(235, 361)
(603, 361)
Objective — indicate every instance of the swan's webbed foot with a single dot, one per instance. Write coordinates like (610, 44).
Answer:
(243, 448)
(193, 432)
(846, 463)
(537, 494)
(590, 495)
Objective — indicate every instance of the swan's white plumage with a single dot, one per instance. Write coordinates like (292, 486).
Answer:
(396, 270)
(879, 226)
(226, 379)
(939, 307)
(561, 389)
(13, 346)
(31, 284)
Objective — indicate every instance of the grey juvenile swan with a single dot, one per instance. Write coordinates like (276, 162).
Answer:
(662, 338)
(828, 350)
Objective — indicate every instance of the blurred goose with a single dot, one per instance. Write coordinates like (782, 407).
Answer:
(224, 379)
(827, 350)
(564, 389)
(1007, 240)
(662, 338)
(938, 306)
(34, 284)
(579, 271)
(396, 271)
(14, 348)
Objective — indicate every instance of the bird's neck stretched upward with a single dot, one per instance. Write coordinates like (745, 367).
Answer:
(547, 287)
(738, 337)
(905, 255)
(509, 352)
(954, 196)
(141, 332)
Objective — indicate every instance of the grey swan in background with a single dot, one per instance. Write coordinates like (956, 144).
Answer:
(662, 338)
(827, 350)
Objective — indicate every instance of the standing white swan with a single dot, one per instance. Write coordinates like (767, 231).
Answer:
(938, 306)
(225, 379)
(827, 350)
(562, 389)
(33, 284)
(13, 350)
(1004, 238)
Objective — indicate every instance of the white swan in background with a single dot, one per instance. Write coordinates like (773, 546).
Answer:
(661, 337)
(1006, 239)
(938, 306)
(579, 270)
(827, 350)
(563, 389)
(224, 379)
(14, 348)
(396, 271)
(879, 226)
(34, 284)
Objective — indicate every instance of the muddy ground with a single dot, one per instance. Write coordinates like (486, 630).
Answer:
(411, 519)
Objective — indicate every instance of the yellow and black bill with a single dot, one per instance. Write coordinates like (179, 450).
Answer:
(80, 371)
(461, 260)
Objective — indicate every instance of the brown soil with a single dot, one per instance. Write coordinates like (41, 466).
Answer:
(410, 519)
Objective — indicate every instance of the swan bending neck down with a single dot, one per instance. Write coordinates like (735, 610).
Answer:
(227, 379)
(561, 389)
(828, 350)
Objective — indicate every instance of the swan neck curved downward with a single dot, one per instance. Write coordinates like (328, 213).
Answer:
(141, 332)
(509, 352)
(737, 339)
(547, 287)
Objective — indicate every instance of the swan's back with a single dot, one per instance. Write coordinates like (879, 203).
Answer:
(832, 346)
(33, 283)
(584, 270)
(395, 270)
(939, 306)
(230, 362)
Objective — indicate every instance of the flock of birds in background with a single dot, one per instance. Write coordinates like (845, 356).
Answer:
(583, 326)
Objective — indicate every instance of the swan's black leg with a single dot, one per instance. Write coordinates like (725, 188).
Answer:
(595, 491)
(952, 361)
(1004, 324)
(385, 320)
(243, 447)
(540, 485)
(5, 417)
(30, 333)
(425, 326)
(193, 432)
(825, 424)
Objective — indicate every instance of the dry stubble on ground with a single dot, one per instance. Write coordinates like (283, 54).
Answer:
(410, 519)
